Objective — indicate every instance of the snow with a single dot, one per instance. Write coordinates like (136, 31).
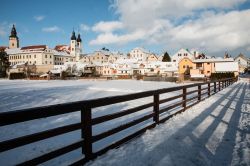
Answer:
(214, 132)
(20, 94)
(206, 134)
(226, 67)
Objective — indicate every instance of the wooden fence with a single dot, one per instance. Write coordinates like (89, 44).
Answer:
(189, 97)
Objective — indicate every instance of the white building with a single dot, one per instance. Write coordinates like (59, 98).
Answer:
(243, 62)
(41, 55)
(139, 54)
(179, 55)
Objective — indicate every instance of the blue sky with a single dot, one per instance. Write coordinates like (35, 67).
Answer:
(125, 24)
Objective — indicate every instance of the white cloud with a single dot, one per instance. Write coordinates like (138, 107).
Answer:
(84, 27)
(2, 31)
(4, 28)
(177, 23)
(51, 29)
(108, 26)
(39, 18)
(218, 32)
(110, 38)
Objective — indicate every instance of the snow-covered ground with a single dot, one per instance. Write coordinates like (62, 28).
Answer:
(19, 94)
(214, 132)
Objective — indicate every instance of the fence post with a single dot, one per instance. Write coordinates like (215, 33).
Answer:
(214, 87)
(184, 98)
(208, 90)
(87, 132)
(156, 108)
(199, 92)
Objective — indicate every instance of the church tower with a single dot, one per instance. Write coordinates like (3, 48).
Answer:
(13, 39)
(79, 47)
(79, 43)
(73, 44)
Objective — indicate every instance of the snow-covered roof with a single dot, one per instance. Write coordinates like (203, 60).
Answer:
(213, 60)
(226, 67)
(60, 53)
(10, 51)
(141, 49)
(126, 61)
(18, 64)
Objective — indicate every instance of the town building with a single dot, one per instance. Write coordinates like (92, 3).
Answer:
(139, 54)
(179, 55)
(41, 55)
(243, 62)
(204, 67)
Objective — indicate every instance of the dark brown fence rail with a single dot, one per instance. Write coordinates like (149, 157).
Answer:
(189, 96)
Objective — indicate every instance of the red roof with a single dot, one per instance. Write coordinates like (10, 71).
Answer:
(62, 48)
(3, 48)
(34, 47)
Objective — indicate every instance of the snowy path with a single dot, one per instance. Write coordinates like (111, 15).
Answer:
(214, 132)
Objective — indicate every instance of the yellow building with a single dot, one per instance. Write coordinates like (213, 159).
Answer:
(185, 65)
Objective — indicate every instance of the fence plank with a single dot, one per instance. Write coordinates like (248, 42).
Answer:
(27, 139)
(120, 128)
(87, 132)
(108, 117)
(156, 108)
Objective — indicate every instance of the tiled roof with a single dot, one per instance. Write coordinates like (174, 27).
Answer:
(34, 47)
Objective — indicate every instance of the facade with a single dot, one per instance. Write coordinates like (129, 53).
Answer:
(32, 55)
(98, 57)
(152, 58)
(179, 55)
(139, 54)
(243, 62)
(185, 65)
(42, 56)
(204, 67)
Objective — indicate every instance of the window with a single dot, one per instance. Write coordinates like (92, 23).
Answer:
(34, 56)
(208, 63)
(50, 56)
(45, 62)
(184, 66)
(45, 56)
(174, 60)
(208, 71)
(198, 65)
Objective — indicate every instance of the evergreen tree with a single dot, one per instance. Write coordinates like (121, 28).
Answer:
(4, 63)
(166, 57)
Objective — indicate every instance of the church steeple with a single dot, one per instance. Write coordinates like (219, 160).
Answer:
(73, 37)
(79, 38)
(13, 39)
(13, 32)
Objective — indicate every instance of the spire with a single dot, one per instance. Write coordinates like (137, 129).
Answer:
(73, 37)
(79, 38)
(13, 32)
